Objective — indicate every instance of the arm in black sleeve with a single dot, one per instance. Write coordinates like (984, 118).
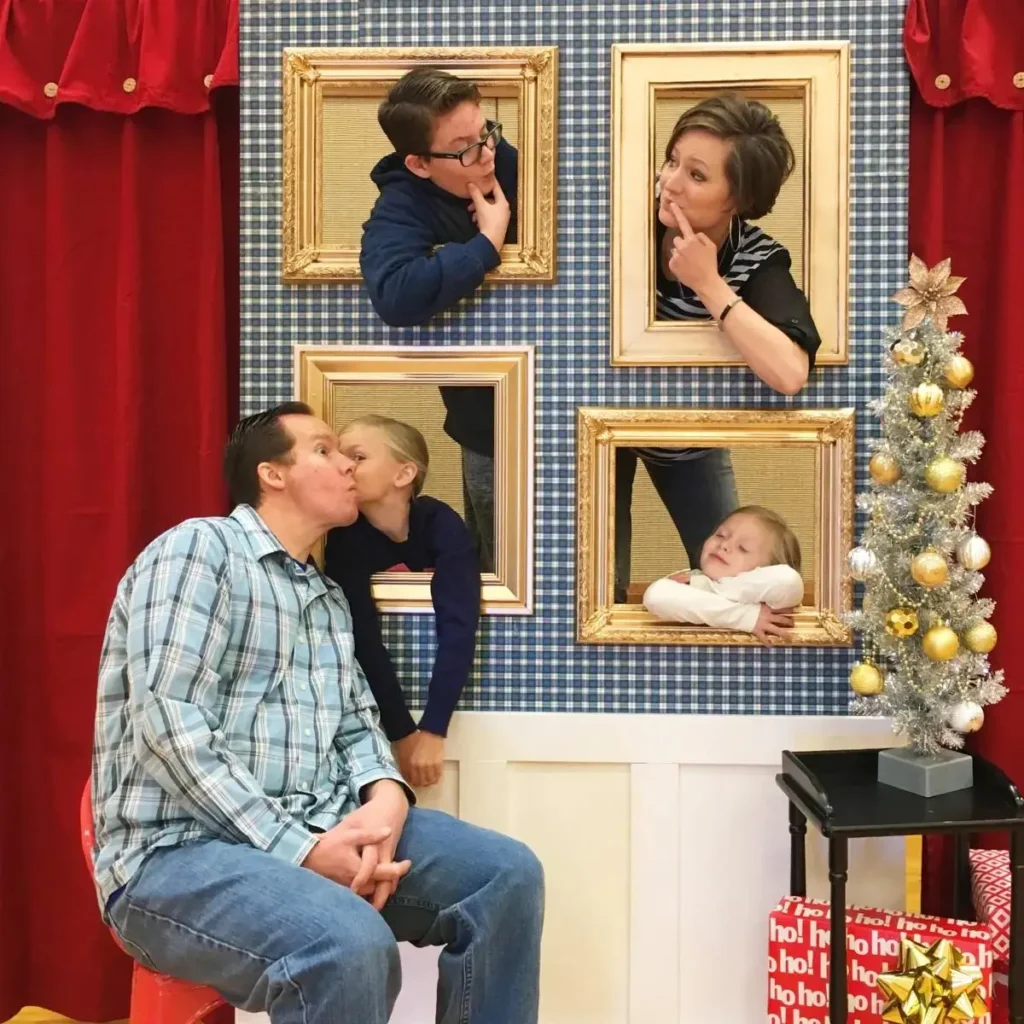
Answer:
(342, 565)
(455, 589)
(771, 292)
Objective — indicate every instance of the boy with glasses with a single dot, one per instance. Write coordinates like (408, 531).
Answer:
(447, 204)
(447, 199)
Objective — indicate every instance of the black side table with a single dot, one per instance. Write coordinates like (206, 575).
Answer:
(839, 791)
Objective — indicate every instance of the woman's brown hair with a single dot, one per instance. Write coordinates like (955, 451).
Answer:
(761, 158)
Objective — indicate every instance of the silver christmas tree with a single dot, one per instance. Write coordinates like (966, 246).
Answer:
(926, 634)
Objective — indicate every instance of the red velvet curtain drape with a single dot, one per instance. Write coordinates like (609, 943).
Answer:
(118, 341)
(967, 202)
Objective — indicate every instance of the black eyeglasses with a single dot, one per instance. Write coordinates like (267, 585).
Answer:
(472, 153)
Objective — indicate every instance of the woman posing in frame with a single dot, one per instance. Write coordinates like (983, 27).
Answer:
(725, 164)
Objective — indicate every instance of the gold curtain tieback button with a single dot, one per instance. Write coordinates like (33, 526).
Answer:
(50, 89)
(942, 81)
(208, 81)
(1018, 80)
(129, 85)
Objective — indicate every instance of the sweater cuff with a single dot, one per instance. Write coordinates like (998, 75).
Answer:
(397, 723)
(483, 249)
(434, 720)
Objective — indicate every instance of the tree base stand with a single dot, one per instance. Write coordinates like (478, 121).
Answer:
(925, 775)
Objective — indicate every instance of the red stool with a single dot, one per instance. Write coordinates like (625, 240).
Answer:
(157, 998)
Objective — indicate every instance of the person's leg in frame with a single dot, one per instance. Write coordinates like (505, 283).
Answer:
(480, 894)
(268, 935)
(625, 471)
(478, 494)
(698, 494)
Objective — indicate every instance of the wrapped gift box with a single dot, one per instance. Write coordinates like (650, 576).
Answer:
(798, 957)
(990, 887)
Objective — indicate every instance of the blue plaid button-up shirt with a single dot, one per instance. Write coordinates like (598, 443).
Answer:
(230, 703)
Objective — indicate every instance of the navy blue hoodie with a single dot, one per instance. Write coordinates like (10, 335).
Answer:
(408, 277)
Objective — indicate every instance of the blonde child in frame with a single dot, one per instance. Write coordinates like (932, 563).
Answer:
(748, 578)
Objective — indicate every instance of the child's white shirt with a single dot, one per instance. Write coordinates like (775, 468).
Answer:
(730, 603)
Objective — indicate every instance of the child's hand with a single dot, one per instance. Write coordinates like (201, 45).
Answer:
(491, 215)
(772, 623)
(681, 577)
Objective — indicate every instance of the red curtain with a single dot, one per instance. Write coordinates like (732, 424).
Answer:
(118, 340)
(967, 202)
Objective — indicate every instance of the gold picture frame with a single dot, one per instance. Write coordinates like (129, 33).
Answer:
(811, 80)
(315, 75)
(321, 371)
(829, 433)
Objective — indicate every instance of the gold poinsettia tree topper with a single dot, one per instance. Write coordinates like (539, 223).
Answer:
(930, 295)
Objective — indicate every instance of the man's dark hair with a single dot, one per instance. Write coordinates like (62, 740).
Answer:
(415, 101)
(762, 157)
(258, 438)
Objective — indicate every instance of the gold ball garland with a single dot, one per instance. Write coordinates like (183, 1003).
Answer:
(944, 474)
(929, 569)
(981, 637)
(865, 679)
(926, 400)
(940, 643)
(884, 468)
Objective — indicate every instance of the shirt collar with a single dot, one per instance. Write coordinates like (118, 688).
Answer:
(260, 538)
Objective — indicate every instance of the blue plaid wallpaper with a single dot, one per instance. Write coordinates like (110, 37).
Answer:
(533, 663)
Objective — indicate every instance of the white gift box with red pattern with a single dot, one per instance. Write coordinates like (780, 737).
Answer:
(990, 887)
(798, 957)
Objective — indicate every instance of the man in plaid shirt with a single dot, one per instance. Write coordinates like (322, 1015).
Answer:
(252, 831)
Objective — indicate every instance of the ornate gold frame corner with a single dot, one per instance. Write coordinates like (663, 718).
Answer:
(311, 73)
(819, 73)
(510, 370)
(600, 430)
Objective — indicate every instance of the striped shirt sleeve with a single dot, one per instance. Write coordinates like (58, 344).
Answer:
(177, 633)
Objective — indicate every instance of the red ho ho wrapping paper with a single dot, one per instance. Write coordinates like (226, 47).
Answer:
(798, 957)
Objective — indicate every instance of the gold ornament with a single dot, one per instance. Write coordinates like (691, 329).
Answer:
(884, 468)
(908, 352)
(973, 552)
(902, 622)
(944, 474)
(940, 643)
(933, 985)
(930, 295)
(865, 679)
(929, 569)
(981, 637)
(926, 400)
(959, 371)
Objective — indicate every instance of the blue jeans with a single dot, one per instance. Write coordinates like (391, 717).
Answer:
(698, 494)
(276, 937)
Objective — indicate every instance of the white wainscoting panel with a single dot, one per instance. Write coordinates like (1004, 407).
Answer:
(665, 844)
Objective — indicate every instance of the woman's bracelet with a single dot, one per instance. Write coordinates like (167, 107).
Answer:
(725, 312)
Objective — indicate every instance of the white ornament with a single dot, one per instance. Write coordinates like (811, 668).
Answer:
(862, 562)
(967, 716)
(973, 552)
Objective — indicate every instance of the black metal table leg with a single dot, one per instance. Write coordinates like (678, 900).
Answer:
(961, 876)
(1016, 966)
(797, 851)
(837, 868)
